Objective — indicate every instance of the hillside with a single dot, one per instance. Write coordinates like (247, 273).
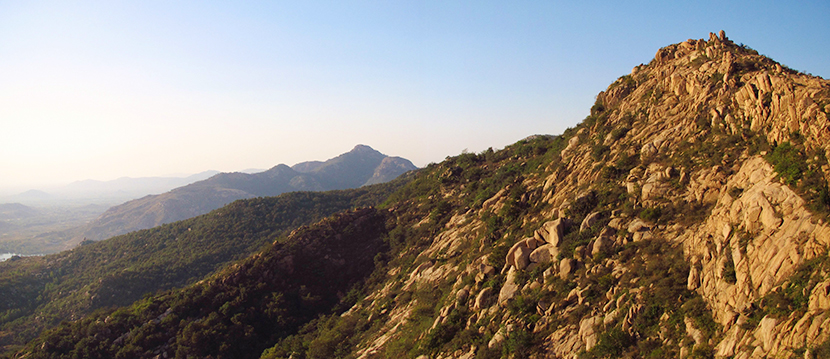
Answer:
(39, 292)
(686, 217)
(360, 166)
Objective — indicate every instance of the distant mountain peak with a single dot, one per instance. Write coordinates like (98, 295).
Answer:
(361, 166)
(34, 194)
(363, 148)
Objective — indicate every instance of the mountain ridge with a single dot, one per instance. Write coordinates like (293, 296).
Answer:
(352, 169)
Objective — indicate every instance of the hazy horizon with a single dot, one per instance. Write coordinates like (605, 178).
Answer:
(93, 90)
(46, 187)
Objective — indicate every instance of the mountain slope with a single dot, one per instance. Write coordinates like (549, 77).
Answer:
(349, 170)
(304, 274)
(389, 169)
(39, 292)
(685, 217)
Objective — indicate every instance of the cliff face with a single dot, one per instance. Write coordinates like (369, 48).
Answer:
(685, 217)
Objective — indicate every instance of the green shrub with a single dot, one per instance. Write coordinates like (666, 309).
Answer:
(582, 206)
(619, 133)
(805, 176)
(598, 151)
(696, 309)
(698, 61)
(822, 350)
(517, 344)
(716, 79)
(444, 332)
(789, 162)
(651, 214)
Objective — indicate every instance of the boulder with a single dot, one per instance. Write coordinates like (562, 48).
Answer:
(461, 295)
(566, 267)
(637, 225)
(587, 331)
(497, 339)
(590, 220)
(641, 236)
(552, 231)
(648, 150)
(510, 287)
(820, 297)
(615, 223)
(532, 243)
(484, 299)
(693, 332)
(485, 272)
(694, 278)
(544, 254)
(521, 257)
(510, 260)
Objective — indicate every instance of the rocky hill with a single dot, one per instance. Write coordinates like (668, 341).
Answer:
(686, 217)
(360, 166)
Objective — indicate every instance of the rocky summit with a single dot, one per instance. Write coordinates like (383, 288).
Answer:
(686, 217)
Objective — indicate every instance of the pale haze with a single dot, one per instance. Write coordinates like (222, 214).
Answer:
(105, 89)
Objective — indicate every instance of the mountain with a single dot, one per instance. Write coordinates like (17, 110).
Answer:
(85, 192)
(685, 217)
(31, 195)
(129, 187)
(358, 167)
(16, 211)
(12, 215)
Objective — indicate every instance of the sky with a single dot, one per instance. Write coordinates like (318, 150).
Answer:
(108, 89)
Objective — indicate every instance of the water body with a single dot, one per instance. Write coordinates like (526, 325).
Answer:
(5, 256)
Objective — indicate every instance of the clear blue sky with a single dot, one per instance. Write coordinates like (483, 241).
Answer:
(104, 89)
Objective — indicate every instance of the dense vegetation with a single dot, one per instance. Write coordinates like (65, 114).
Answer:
(42, 291)
(238, 311)
(801, 170)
